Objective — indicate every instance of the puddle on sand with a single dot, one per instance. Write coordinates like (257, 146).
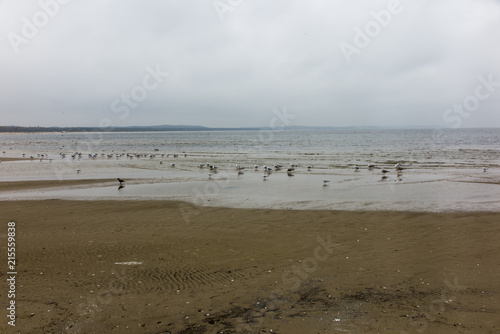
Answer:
(415, 192)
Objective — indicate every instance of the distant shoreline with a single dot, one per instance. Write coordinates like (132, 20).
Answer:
(194, 128)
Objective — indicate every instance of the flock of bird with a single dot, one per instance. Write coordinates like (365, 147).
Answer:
(268, 170)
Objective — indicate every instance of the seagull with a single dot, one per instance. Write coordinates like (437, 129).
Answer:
(399, 166)
(371, 166)
(121, 181)
(356, 168)
(485, 169)
(309, 167)
(172, 164)
(161, 162)
(385, 171)
(264, 177)
(256, 166)
(210, 175)
(78, 171)
(325, 182)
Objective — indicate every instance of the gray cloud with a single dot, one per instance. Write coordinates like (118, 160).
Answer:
(262, 55)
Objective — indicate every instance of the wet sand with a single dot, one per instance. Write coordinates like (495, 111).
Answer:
(13, 159)
(49, 184)
(172, 267)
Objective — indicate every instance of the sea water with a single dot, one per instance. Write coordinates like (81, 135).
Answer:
(443, 168)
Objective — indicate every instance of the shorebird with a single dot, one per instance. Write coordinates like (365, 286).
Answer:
(399, 166)
(385, 171)
(161, 162)
(309, 167)
(485, 169)
(371, 166)
(121, 181)
(356, 168)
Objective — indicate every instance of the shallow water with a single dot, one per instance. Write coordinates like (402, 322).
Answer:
(443, 168)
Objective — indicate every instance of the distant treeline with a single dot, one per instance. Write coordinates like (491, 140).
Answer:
(97, 129)
(13, 128)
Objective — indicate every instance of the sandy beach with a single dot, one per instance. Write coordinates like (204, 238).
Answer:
(246, 167)
(172, 267)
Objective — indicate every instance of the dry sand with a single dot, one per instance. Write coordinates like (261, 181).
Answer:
(219, 270)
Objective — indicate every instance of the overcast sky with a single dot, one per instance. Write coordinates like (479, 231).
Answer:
(230, 63)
